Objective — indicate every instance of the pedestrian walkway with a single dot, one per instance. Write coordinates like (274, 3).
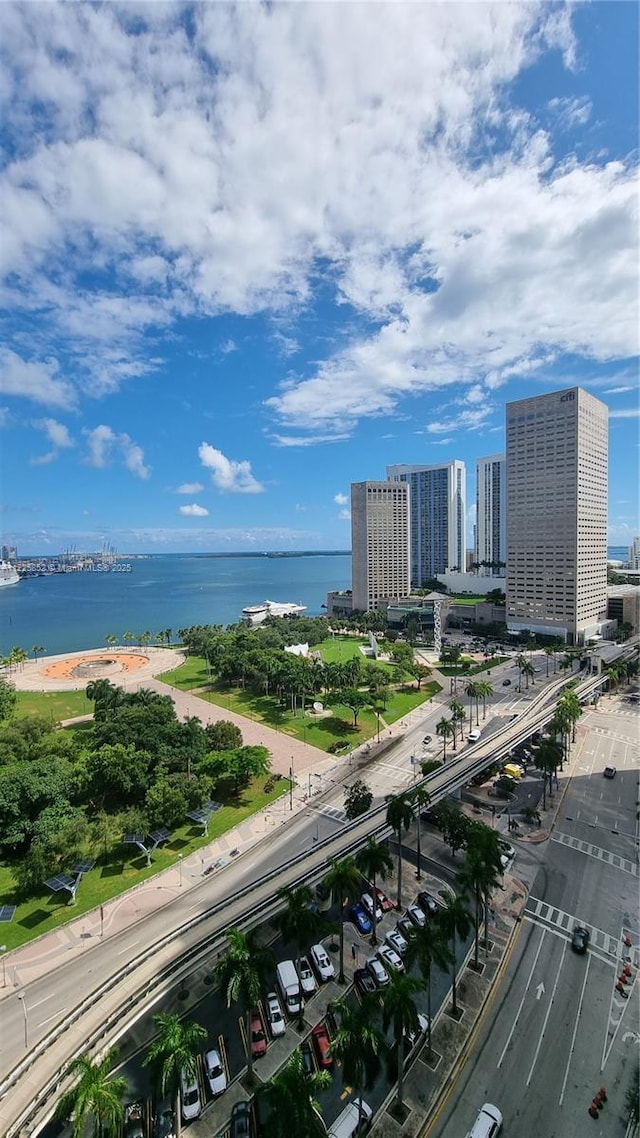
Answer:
(590, 850)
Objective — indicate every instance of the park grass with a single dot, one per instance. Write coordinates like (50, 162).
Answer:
(54, 705)
(192, 674)
(472, 669)
(124, 867)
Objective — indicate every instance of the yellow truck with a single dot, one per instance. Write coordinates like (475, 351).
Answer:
(514, 770)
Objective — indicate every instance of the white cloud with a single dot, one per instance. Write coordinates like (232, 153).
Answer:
(190, 488)
(228, 347)
(104, 443)
(56, 432)
(345, 515)
(627, 413)
(237, 163)
(44, 459)
(340, 499)
(465, 420)
(618, 390)
(37, 380)
(308, 440)
(571, 112)
(226, 474)
(194, 511)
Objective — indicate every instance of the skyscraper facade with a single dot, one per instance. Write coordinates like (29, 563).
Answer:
(490, 535)
(438, 517)
(379, 542)
(557, 476)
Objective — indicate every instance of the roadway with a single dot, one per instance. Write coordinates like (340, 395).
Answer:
(48, 1004)
(557, 1029)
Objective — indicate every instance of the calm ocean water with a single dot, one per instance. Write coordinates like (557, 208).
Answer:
(72, 611)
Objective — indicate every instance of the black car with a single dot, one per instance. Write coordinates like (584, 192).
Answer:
(428, 903)
(429, 816)
(609, 772)
(307, 1059)
(164, 1125)
(506, 683)
(241, 1124)
(364, 981)
(580, 939)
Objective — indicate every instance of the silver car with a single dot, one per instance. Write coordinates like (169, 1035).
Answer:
(416, 916)
(274, 1015)
(215, 1073)
(307, 979)
(321, 962)
(398, 943)
(390, 958)
(378, 971)
(190, 1103)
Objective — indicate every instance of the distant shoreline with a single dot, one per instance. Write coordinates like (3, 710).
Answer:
(275, 553)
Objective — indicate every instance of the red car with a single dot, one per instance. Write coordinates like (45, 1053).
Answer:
(385, 904)
(258, 1036)
(321, 1043)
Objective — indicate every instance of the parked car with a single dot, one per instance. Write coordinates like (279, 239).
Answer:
(323, 966)
(307, 979)
(307, 1059)
(405, 927)
(390, 958)
(190, 1102)
(427, 739)
(364, 981)
(164, 1123)
(395, 938)
(215, 1073)
(580, 939)
(430, 816)
(241, 1121)
(360, 919)
(428, 903)
(322, 1045)
(367, 903)
(134, 1120)
(378, 971)
(258, 1037)
(416, 916)
(384, 902)
(610, 772)
(411, 1037)
(275, 1017)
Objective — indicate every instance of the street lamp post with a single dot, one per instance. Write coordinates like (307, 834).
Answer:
(26, 1021)
(180, 868)
(3, 949)
(291, 785)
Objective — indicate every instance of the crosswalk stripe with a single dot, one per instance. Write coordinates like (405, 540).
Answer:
(597, 852)
(541, 911)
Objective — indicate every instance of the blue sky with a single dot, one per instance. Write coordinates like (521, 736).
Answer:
(252, 253)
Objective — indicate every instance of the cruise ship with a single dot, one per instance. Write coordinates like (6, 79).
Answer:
(8, 574)
(255, 614)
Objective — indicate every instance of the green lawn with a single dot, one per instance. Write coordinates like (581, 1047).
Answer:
(124, 866)
(55, 705)
(191, 674)
(472, 669)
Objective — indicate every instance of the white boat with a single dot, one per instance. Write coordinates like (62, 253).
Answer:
(255, 614)
(8, 574)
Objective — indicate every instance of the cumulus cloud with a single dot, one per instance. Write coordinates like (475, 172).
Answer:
(58, 435)
(344, 515)
(193, 511)
(253, 156)
(340, 499)
(228, 475)
(36, 379)
(626, 413)
(465, 420)
(104, 444)
(190, 488)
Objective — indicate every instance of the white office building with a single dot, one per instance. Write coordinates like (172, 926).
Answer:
(379, 543)
(438, 517)
(634, 554)
(557, 475)
(490, 532)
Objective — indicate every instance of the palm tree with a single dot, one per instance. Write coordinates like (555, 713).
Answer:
(358, 1044)
(485, 688)
(445, 729)
(428, 948)
(549, 651)
(290, 1094)
(528, 671)
(548, 755)
(400, 1012)
(472, 692)
(455, 920)
(375, 863)
(573, 709)
(175, 1053)
(479, 878)
(111, 640)
(520, 661)
(242, 973)
(399, 817)
(420, 798)
(96, 1097)
(343, 882)
(37, 649)
(458, 716)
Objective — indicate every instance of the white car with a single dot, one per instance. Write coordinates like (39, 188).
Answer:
(390, 958)
(367, 902)
(412, 1037)
(378, 971)
(416, 916)
(323, 966)
(215, 1072)
(190, 1103)
(274, 1015)
(307, 979)
(395, 938)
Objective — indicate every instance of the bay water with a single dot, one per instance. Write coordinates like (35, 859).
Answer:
(68, 612)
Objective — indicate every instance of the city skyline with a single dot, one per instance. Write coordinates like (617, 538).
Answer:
(253, 254)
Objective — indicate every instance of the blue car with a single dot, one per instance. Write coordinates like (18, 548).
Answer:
(360, 919)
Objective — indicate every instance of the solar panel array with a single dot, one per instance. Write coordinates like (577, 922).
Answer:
(133, 840)
(63, 881)
(161, 835)
(81, 867)
(6, 913)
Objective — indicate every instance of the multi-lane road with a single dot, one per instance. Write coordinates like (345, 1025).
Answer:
(557, 1029)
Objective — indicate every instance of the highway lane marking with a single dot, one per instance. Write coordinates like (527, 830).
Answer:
(53, 1016)
(575, 1031)
(596, 852)
(524, 996)
(43, 1000)
(546, 1018)
(131, 945)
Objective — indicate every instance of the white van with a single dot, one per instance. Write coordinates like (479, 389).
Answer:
(488, 1123)
(346, 1124)
(289, 985)
(474, 735)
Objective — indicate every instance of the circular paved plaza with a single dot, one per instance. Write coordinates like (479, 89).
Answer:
(74, 670)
